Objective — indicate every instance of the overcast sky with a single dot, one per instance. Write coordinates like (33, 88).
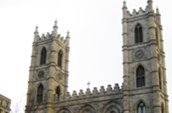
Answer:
(95, 45)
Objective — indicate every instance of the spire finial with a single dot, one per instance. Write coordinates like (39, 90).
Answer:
(36, 29)
(36, 33)
(157, 10)
(55, 27)
(124, 9)
(124, 4)
(88, 84)
(68, 34)
(149, 2)
(55, 24)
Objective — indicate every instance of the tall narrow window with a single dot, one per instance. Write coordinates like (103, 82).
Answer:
(60, 58)
(162, 108)
(138, 34)
(43, 56)
(40, 93)
(140, 76)
(141, 108)
(160, 83)
(58, 92)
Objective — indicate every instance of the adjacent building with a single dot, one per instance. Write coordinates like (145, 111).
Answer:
(4, 104)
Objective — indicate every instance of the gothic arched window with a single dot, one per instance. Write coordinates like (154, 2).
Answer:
(58, 92)
(140, 76)
(162, 108)
(40, 93)
(43, 56)
(138, 34)
(141, 108)
(60, 58)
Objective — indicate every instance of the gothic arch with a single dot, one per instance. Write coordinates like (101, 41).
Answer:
(58, 92)
(137, 105)
(138, 33)
(112, 107)
(64, 110)
(43, 56)
(140, 76)
(140, 64)
(60, 58)
(141, 107)
(40, 91)
(87, 108)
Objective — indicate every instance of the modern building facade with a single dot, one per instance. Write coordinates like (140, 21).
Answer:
(144, 88)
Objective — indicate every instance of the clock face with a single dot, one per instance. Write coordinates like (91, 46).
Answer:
(139, 54)
(41, 75)
(59, 77)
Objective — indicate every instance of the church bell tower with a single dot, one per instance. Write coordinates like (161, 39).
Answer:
(145, 85)
(48, 76)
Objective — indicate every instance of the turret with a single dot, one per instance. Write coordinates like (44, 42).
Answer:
(149, 5)
(158, 16)
(48, 77)
(55, 27)
(36, 34)
(124, 8)
(67, 39)
(144, 65)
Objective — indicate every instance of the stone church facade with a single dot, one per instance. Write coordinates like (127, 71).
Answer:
(144, 88)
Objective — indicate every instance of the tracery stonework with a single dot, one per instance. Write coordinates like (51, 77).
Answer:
(144, 88)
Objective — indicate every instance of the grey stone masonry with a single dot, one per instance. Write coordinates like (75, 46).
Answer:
(144, 87)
